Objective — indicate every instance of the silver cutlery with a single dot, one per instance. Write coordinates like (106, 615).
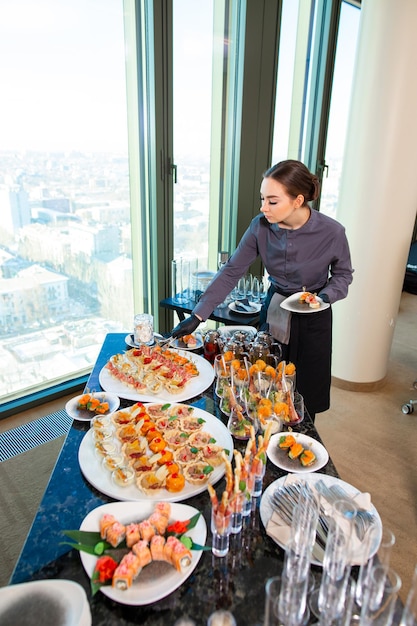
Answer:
(363, 519)
(284, 500)
(164, 342)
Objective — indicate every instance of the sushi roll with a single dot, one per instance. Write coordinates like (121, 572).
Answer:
(115, 534)
(106, 521)
(159, 522)
(126, 572)
(180, 555)
(157, 548)
(132, 534)
(142, 551)
(164, 508)
(147, 531)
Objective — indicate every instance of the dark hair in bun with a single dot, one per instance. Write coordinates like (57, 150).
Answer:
(296, 178)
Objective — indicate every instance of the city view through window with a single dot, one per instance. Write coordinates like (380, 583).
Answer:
(65, 230)
(65, 251)
(65, 262)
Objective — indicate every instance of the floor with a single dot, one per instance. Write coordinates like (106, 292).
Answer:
(372, 443)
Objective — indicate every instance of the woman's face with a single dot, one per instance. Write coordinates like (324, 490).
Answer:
(277, 205)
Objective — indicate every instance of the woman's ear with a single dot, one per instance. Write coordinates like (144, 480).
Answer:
(299, 201)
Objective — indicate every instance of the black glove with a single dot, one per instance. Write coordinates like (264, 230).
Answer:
(324, 297)
(186, 327)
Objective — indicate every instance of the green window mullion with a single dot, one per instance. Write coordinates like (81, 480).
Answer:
(323, 50)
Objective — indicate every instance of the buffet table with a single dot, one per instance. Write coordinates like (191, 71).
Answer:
(235, 582)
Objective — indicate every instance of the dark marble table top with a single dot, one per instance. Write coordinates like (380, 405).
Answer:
(235, 582)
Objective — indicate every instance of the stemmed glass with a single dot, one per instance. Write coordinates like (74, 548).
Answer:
(256, 290)
(328, 600)
(380, 596)
(242, 288)
(381, 557)
(409, 616)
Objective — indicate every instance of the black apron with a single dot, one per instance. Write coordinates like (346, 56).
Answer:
(310, 349)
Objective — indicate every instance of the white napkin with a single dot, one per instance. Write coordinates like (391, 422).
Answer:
(276, 527)
(361, 501)
(279, 319)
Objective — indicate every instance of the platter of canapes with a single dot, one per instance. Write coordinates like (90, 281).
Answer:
(155, 451)
(148, 373)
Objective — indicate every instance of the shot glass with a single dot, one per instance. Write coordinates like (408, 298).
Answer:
(299, 405)
(237, 512)
(257, 476)
(221, 527)
(247, 504)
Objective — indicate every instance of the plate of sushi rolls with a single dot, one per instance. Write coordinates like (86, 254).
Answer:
(151, 561)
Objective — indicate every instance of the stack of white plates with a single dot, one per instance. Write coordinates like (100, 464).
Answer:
(46, 602)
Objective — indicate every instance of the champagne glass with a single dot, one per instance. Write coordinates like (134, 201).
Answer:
(409, 616)
(380, 597)
(256, 294)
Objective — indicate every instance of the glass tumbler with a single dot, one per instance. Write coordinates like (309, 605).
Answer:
(221, 527)
(143, 329)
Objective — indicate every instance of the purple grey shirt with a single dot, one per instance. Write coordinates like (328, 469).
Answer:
(315, 256)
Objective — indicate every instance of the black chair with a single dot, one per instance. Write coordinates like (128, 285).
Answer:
(408, 407)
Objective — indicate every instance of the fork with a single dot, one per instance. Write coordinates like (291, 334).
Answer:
(284, 500)
(165, 343)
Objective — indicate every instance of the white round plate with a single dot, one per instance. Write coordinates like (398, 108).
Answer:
(177, 343)
(156, 580)
(293, 304)
(280, 458)
(86, 416)
(130, 340)
(256, 308)
(193, 388)
(266, 507)
(93, 470)
(62, 601)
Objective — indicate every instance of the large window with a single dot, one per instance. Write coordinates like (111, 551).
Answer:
(302, 128)
(105, 103)
(339, 106)
(192, 115)
(65, 248)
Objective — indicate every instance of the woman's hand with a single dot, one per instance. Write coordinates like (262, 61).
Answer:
(186, 327)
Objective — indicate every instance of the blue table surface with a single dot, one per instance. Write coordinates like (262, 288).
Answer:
(235, 583)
